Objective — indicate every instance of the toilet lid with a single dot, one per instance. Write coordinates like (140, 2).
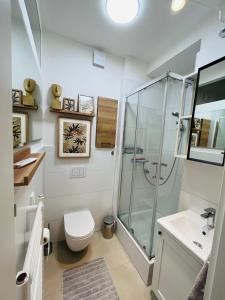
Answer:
(79, 224)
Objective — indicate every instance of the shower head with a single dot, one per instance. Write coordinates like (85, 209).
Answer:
(175, 114)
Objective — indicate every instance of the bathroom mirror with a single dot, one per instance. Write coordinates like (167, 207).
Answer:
(33, 15)
(26, 84)
(207, 135)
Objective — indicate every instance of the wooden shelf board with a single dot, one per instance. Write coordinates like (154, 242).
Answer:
(21, 106)
(74, 113)
(24, 175)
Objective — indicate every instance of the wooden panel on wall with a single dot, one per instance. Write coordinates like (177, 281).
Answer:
(106, 123)
(204, 133)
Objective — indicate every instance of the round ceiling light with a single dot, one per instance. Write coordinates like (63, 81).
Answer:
(178, 4)
(122, 11)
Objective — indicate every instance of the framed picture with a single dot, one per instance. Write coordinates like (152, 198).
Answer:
(194, 139)
(20, 129)
(197, 123)
(69, 104)
(17, 96)
(86, 104)
(74, 138)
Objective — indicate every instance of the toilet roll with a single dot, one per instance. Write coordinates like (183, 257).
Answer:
(46, 236)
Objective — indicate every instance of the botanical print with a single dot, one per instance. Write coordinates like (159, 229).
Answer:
(197, 123)
(69, 104)
(74, 138)
(20, 129)
(86, 104)
(17, 96)
(16, 131)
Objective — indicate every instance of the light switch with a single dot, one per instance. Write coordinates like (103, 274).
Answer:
(78, 172)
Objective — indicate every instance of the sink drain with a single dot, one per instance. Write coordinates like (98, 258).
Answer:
(198, 244)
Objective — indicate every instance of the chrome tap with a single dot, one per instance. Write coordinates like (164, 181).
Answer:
(209, 215)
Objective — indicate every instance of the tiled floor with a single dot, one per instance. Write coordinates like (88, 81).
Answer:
(127, 281)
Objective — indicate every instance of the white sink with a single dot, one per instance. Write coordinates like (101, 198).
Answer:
(186, 227)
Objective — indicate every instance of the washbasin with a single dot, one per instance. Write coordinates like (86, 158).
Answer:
(186, 227)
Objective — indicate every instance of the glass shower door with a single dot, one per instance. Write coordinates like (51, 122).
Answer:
(148, 136)
(127, 158)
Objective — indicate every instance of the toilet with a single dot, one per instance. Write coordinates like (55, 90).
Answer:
(79, 228)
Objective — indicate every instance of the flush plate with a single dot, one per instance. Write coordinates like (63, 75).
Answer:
(78, 172)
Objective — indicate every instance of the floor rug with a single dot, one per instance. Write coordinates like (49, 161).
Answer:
(91, 281)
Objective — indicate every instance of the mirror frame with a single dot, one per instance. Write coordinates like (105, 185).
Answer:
(193, 114)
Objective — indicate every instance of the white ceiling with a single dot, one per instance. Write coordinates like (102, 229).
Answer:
(155, 29)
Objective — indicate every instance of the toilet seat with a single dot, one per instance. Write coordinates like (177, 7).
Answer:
(79, 224)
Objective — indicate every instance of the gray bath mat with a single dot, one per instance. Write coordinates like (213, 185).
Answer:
(91, 281)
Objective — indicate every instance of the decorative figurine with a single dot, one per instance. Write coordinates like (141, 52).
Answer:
(56, 92)
(29, 87)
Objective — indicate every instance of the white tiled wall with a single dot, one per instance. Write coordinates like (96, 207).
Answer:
(201, 186)
(64, 193)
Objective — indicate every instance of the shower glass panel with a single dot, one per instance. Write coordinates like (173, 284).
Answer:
(170, 169)
(128, 155)
(150, 175)
(145, 165)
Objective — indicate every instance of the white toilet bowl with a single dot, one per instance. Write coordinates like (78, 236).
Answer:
(79, 228)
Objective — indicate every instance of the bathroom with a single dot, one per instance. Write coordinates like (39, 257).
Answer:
(134, 76)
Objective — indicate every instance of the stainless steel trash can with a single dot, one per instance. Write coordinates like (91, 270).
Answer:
(108, 227)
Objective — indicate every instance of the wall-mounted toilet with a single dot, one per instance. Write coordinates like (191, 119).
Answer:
(79, 228)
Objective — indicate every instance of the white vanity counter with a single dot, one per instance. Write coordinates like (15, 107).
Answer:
(186, 228)
(181, 252)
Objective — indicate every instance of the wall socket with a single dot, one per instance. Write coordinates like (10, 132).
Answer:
(78, 172)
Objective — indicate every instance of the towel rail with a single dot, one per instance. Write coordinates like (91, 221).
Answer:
(29, 280)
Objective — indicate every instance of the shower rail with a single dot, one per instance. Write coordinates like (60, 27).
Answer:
(157, 79)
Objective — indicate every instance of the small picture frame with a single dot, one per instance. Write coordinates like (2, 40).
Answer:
(20, 129)
(17, 96)
(74, 138)
(86, 104)
(194, 139)
(197, 123)
(69, 104)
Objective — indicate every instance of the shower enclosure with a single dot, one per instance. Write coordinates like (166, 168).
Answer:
(150, 173)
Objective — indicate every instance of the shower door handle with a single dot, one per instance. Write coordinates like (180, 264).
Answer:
(154, 163)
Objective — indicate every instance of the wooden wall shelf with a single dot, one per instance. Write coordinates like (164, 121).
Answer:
(24, 175)
(72, 113)
(21, 106)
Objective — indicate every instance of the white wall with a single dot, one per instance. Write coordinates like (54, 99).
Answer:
(7, 257)
(70, 64)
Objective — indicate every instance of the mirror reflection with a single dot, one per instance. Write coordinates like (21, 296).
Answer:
(26, 95)
(207, 140)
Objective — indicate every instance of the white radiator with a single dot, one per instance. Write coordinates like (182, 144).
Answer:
(29, 280)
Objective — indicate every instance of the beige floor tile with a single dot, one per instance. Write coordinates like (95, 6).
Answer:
(54, 296)
(129, 283)
(125, 277)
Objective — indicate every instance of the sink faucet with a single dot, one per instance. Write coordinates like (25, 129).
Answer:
(209, 215)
